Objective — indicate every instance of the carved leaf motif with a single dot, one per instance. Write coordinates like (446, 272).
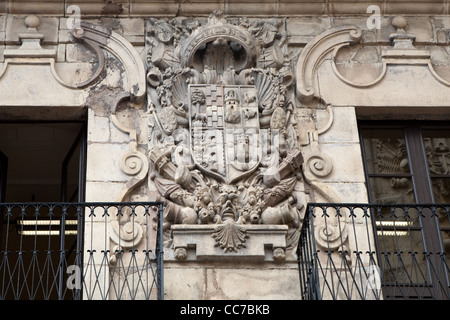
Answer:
(230, 236)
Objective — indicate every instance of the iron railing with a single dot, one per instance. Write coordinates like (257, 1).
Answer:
(362, 251)
(73, 251)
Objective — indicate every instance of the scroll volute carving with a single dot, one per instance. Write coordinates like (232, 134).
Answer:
(126, 230)
(313, 54)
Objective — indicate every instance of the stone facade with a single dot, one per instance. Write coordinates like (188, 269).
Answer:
(234, 115)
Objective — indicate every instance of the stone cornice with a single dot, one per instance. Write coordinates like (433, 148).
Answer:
(229, 7)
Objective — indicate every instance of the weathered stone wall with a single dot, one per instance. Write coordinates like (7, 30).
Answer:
(172, 8)
(326, 129)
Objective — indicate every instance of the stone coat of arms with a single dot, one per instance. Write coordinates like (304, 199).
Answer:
(222, 129)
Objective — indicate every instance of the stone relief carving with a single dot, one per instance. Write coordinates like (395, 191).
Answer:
(227, 140)
(438, 156)
(222, 134)
(127, 232)
(317, 166)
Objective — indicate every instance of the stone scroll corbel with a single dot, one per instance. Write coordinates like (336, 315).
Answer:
(126, 232)
(332, 234)
(317, 165)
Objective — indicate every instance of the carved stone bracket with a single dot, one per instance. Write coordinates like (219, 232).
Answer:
(203, 242)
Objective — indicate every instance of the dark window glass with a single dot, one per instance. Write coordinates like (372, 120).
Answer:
(409, 163)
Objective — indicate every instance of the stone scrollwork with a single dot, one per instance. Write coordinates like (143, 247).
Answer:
(133, 163)
(222, 129)
(327, 42)
(320, 77)
(317, 166)
(97, 38)
(126, 230)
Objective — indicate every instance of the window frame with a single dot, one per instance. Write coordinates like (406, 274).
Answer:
(423, 194)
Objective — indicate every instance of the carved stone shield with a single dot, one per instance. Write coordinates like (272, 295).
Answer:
(224, 127)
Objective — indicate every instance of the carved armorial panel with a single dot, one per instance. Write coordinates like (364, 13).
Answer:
(222, 130)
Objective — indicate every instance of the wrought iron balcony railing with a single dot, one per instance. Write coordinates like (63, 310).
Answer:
(362, 251)
(81, 251)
